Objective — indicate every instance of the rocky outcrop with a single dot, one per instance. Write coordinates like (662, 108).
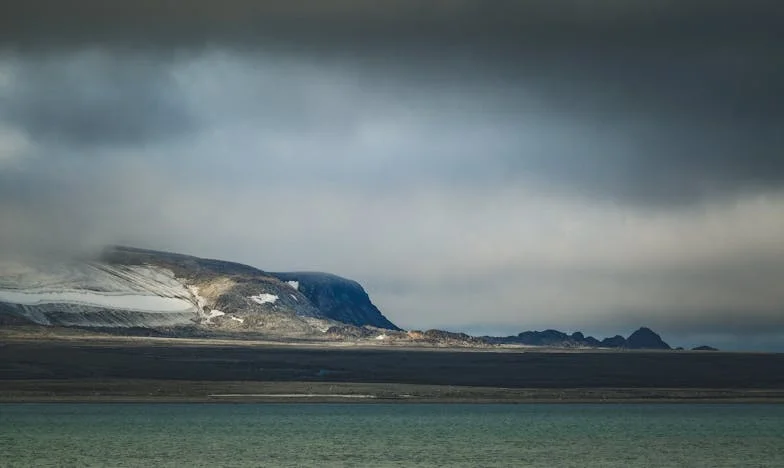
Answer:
(586, 340)
(351, 332)
(616, 341)
(704, 348)
(645, 338)
(442, 337)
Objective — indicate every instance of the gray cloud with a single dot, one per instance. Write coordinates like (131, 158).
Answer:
(474, 132)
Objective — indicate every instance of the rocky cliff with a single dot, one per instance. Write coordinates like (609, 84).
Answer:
(337, 298)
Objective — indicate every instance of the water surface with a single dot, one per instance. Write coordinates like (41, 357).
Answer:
(469, 435)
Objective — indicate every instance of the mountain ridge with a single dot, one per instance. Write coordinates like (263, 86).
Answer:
(130, 289)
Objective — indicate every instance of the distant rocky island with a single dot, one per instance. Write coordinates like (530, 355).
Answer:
(135, 291)
(643, 338)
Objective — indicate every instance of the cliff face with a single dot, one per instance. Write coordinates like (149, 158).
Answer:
(136, 288)
(338, 298)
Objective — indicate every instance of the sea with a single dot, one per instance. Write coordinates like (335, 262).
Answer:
(391, 435)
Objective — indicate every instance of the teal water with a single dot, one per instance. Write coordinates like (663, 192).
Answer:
(537, 435)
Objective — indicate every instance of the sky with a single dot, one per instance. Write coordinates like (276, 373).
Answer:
(488, 167)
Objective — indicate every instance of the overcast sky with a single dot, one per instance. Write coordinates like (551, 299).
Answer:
(478, 166)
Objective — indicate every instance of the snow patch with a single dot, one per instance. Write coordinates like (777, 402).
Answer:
(294, 284)
(109, 300)
(381, 337)
(237, 319)
(294, 297)
(213, 313)
(264, 299)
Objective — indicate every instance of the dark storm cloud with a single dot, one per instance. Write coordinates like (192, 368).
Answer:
(672, 101)
(94, 99)
(505, 22)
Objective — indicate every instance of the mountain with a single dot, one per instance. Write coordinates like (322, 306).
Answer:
(135, 288)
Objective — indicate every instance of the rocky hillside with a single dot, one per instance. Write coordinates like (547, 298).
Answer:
(136, 288)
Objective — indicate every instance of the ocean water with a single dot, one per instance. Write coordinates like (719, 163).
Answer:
(360, 435)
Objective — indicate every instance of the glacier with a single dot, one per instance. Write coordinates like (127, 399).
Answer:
(90, 294)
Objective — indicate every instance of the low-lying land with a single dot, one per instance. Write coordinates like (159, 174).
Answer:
(181, 391)
(80, 368)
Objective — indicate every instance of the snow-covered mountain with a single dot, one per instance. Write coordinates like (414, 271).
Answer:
(130, 287)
